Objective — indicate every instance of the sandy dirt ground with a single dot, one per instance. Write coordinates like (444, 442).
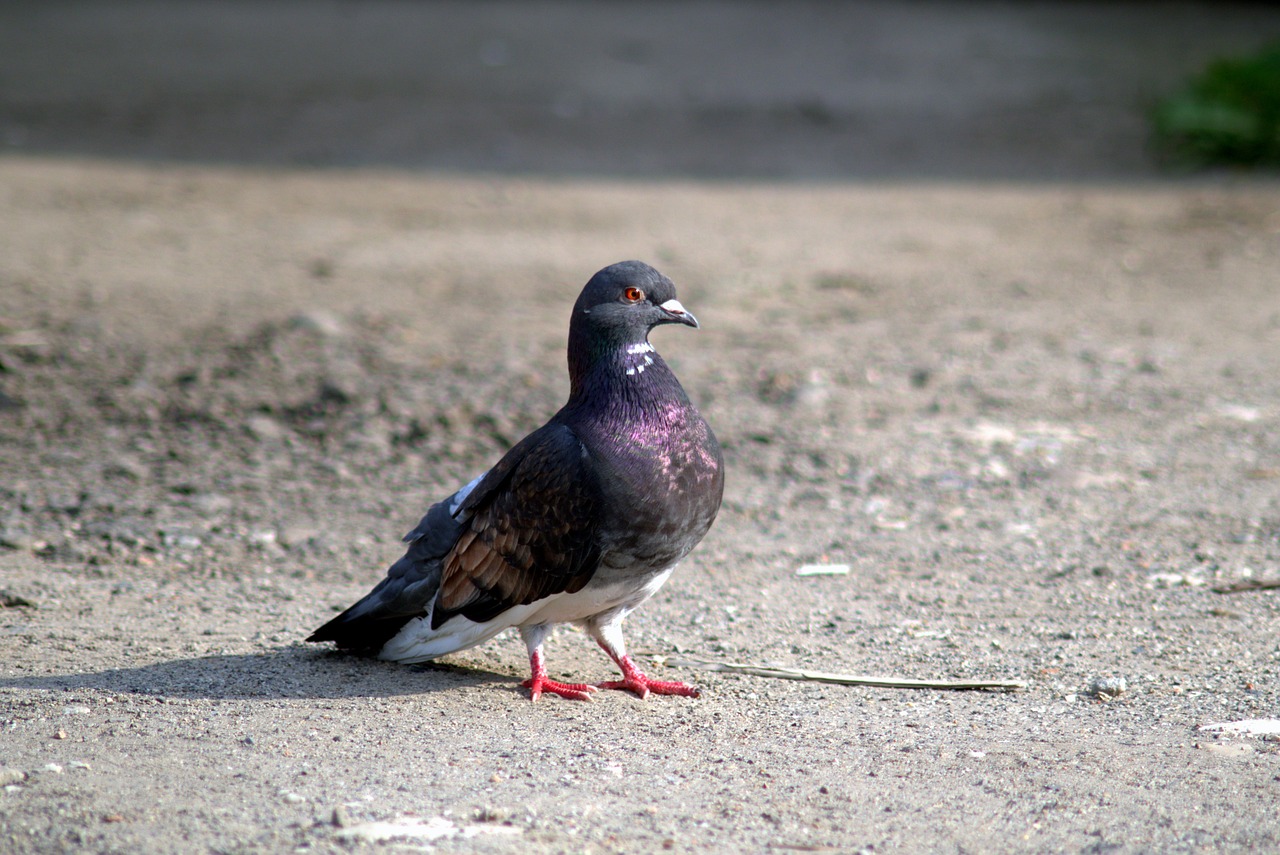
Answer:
(260, 308)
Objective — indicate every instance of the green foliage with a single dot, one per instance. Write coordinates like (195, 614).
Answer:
(1229, 114)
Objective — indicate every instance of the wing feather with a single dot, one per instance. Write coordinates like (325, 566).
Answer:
(531, 530)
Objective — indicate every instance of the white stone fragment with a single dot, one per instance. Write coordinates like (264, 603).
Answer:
(823, 570)
(409, 827)
(1249, 727)
(415, 828)
(1240, 412)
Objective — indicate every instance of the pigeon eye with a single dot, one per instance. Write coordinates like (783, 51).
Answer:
(633, 295)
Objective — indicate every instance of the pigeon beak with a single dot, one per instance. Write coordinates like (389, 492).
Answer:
(677, 314)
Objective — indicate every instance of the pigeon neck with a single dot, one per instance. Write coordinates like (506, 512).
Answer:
(618, 364)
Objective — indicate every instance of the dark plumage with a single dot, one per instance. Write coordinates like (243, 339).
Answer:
(581, 522)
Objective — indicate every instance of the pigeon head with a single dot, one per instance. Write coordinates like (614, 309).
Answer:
(617, 309)
(627, 300)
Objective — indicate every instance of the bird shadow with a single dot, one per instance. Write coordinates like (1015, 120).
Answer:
(288, 672)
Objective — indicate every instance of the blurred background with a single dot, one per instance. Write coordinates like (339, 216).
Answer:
(818, 90)
(276, 275)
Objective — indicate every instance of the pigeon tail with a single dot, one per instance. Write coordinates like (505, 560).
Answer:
(367, 626)
(417, 641)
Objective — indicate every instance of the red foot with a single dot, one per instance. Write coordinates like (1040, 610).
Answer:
(634, 680)
(572, 691)
(538, 682)
(642, 686)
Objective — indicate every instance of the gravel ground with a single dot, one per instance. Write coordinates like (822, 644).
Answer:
(1037, 417)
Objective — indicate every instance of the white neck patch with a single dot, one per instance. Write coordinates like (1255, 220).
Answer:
(642, 349)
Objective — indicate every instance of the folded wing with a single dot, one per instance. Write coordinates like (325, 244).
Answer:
(525, 530)
(532, 530)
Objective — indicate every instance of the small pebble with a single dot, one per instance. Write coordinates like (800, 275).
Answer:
(1108, 687)
(293, 536)
(1230, 750)
(122, 466)
(491, 814)
(317, 320)
(13, 601)
(18, 540)
(263, 536)
(823, 570)
(211, 503)
(815, 391)
(65, 502)
(262, 427)
(10, 777)
(178, 539)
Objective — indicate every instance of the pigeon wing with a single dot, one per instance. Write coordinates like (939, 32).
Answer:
(530, 530)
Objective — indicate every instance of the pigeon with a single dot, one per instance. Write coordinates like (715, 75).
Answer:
(581, 522)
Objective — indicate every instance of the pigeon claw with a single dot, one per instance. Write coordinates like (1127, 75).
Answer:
(642, 686)
(572, 691)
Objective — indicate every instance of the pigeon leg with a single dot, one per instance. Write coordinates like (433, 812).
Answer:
(538, 682)
(609, 636)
